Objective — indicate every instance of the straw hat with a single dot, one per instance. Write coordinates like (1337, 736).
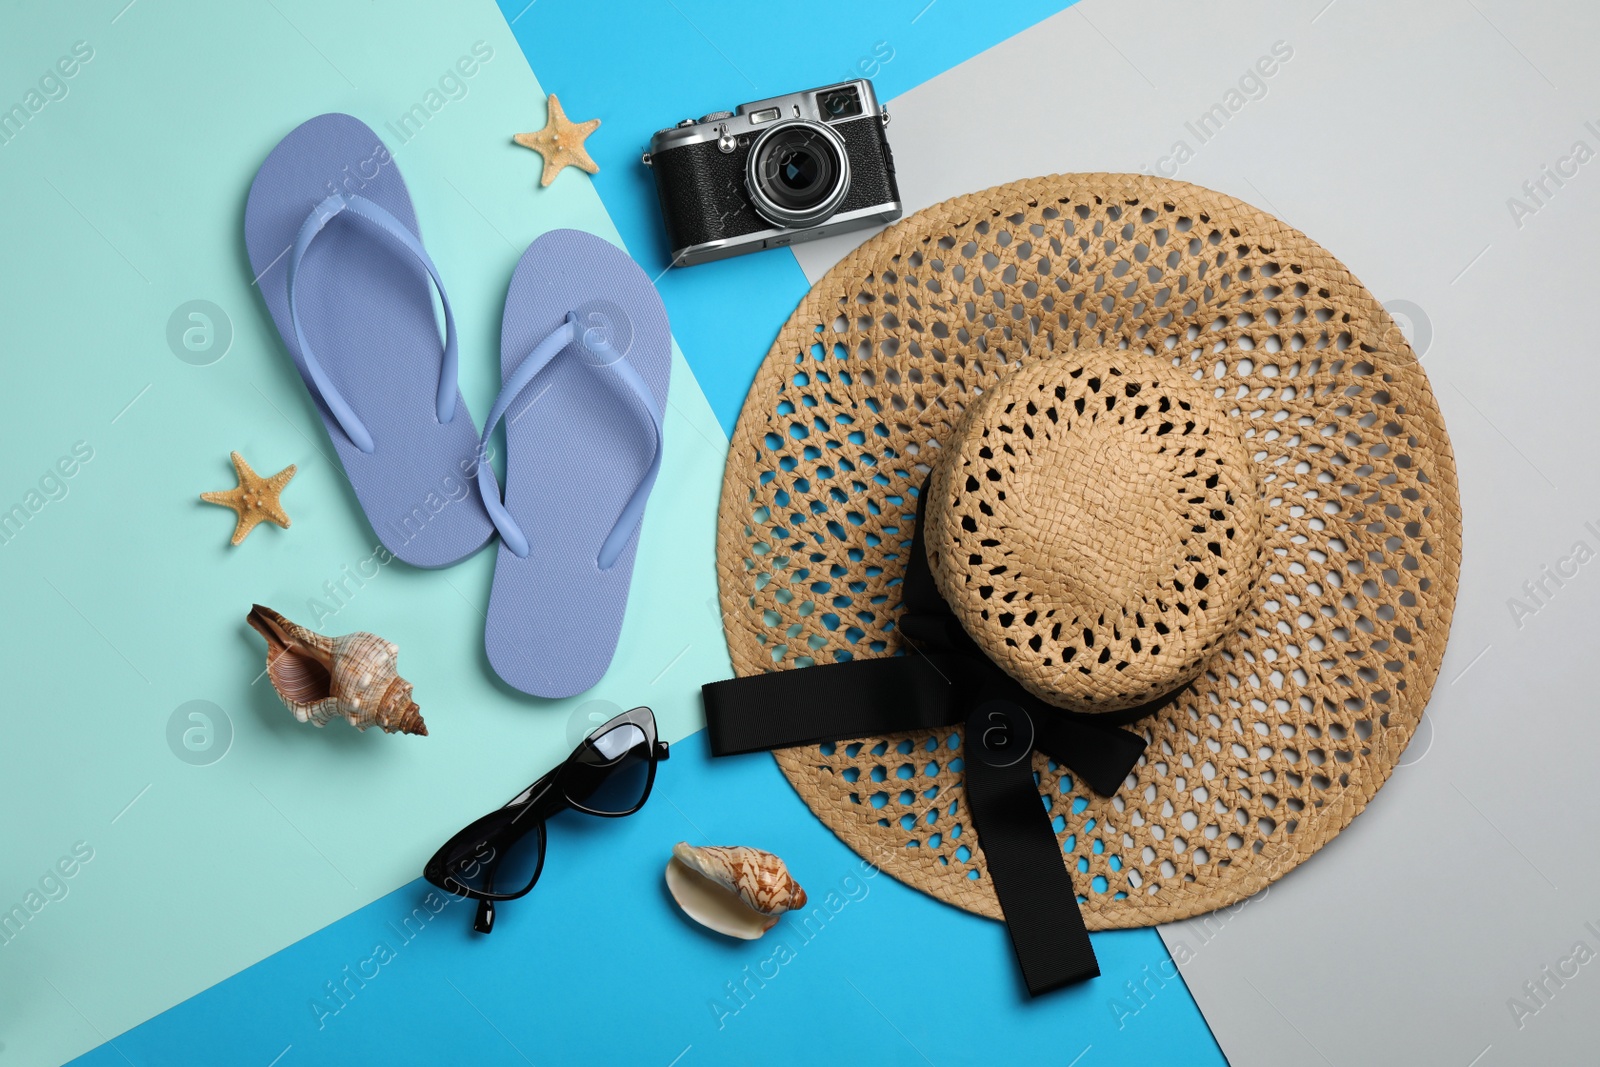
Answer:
(1173, 451)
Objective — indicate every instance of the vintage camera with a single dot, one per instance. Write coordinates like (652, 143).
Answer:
(775, 172)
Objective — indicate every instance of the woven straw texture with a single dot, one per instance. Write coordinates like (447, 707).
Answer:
(1096, 529)
(1311, 680)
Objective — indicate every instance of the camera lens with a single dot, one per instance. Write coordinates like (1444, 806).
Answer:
(798, 173)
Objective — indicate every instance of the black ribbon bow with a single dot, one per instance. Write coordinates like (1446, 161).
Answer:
(945, 679)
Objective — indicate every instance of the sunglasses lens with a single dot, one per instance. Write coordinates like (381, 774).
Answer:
(496, 856)
(611, 774)
(519, 867)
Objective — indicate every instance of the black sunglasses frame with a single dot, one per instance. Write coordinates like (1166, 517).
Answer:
(472, 849)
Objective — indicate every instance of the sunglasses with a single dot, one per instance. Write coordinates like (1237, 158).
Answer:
(500, 856)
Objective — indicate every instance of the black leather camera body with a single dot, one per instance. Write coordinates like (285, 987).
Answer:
(775, 172)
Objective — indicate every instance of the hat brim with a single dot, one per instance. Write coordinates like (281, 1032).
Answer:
(1299, 716)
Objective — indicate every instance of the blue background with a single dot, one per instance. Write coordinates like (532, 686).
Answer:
(597, 965)
(646, 65)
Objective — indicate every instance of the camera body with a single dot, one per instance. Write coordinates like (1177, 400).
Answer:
(775, 172)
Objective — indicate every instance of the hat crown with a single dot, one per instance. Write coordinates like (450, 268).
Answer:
(1095, 523)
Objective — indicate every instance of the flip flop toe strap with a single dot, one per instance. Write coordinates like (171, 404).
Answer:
(311, 368)
(591, 346)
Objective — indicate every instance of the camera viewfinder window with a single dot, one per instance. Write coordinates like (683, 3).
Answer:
(840, 104)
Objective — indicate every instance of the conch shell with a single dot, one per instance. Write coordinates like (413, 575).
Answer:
(320, 677)
(738, 891)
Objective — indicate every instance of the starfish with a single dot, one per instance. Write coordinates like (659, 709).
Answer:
(255, 500)
(560, 143)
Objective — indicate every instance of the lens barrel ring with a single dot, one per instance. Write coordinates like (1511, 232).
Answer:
(810, 210)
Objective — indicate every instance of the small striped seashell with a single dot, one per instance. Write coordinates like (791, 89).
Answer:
(353, 677)
(735, 890)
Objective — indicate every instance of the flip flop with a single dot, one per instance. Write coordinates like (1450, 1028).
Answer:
(585, 355)
(334, 244)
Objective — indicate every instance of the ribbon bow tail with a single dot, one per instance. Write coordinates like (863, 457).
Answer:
(1102, 756)
(1024, 859)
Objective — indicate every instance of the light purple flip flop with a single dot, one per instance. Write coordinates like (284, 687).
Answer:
(585, 355)
(334, 244)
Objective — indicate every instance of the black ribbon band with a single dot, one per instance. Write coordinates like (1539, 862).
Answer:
(945, 680)
(873, 697)
(862, 698)
(1025, 862)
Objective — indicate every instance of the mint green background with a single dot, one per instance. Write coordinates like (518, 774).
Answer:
(123, 600)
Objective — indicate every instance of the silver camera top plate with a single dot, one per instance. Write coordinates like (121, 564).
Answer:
(750, 119)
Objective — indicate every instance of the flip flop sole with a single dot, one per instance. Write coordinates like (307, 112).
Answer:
(368, 313)
(576, 448)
